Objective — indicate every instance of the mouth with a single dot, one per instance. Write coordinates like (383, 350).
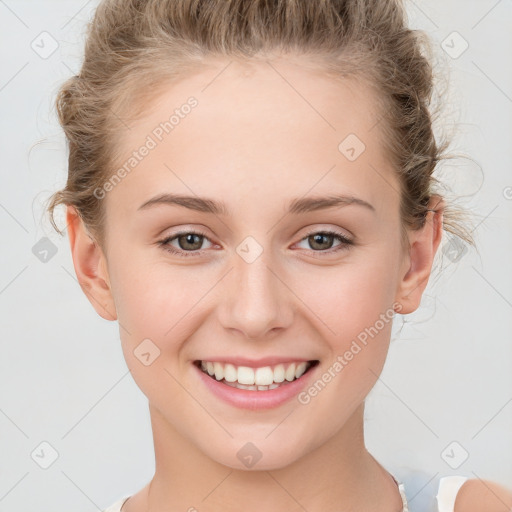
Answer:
(263, 378)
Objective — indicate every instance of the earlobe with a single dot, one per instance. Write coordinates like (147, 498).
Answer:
(424, 243)
(90, 266)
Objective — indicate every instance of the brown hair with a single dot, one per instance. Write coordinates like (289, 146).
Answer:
(134, 46)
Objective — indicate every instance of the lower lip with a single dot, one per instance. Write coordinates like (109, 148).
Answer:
(255, 400)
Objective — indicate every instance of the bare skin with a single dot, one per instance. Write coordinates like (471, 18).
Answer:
(483, 496)
(255, 143)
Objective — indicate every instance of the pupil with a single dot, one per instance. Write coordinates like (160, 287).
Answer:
(189, 239)
(317, 239)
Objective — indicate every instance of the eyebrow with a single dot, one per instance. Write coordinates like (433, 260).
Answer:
(296, 206)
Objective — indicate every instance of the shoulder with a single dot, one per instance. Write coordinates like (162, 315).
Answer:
(455, 493)
(462, 494)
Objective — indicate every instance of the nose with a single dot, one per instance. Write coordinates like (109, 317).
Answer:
(256, 301)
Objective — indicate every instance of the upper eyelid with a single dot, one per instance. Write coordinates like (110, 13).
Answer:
(330, 231)
(200, 231)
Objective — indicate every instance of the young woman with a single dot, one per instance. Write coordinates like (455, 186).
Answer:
(250, 188)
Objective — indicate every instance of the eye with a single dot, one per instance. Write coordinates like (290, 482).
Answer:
(189, 243)
(321, 241)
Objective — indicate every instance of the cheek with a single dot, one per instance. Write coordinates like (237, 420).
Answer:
(356, 312)
(161, 303)
(349, 298)
(353, 306)
(157, 314)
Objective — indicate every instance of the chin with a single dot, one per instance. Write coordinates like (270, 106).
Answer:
(254, 456)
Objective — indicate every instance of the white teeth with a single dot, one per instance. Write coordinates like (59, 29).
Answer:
(262, 379)
(243, 386)
(301, 368)
(252, 388)
(219, 370)
(245, 375)
(230, 373)
(279, 373)
(290, 372)
(264, 376)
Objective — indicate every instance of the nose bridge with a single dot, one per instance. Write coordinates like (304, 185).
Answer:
(256, 302)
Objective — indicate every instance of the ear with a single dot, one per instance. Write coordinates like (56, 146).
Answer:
(417, 265)
(90, 266)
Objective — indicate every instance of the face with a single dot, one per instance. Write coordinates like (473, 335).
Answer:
(249, 271)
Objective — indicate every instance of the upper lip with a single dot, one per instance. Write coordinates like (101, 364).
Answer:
(255, 363)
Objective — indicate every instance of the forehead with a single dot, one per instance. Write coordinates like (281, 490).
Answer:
(234, 129)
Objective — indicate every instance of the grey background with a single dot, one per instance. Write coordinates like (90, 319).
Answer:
(63, 379)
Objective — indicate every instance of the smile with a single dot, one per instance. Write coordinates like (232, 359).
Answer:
(255, 379)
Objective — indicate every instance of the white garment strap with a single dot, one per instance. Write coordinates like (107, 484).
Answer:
(401, 490)
(116, 507)
(448, 488)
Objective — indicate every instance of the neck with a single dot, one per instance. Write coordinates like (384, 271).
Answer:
(339, 475)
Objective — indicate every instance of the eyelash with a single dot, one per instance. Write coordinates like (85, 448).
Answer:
(345, 242)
